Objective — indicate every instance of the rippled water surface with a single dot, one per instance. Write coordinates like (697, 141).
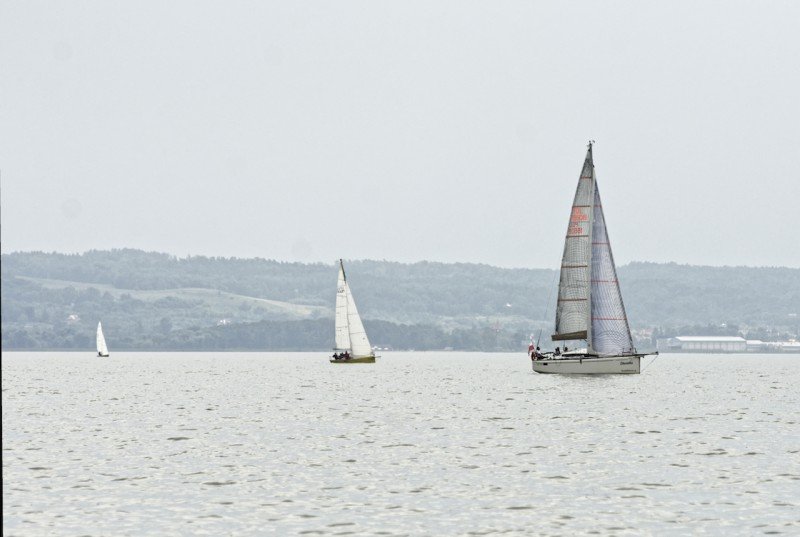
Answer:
(416, 444)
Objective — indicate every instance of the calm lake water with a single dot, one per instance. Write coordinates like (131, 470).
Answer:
(417, 444)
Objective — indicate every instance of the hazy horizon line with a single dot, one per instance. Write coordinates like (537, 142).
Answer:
(419, 261)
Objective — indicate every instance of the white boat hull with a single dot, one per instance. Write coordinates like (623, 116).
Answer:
(359, 360)
(611, 365)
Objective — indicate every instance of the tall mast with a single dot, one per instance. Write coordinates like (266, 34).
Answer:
(589, 349)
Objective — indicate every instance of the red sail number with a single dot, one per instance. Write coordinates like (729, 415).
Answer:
(576, 220)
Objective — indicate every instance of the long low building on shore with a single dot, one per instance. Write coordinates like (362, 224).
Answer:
(703, 344)
(724, 344)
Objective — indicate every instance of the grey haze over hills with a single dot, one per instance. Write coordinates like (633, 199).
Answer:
(446, 131)
(156, 301)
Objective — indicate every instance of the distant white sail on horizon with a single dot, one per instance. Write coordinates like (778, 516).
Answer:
(102, 348)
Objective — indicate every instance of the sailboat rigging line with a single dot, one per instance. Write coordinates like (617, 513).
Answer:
(651, 361)
(547, 305)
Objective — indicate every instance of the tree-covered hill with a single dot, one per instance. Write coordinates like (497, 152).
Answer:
(152, 300)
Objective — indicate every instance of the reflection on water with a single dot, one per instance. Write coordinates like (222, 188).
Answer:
(417, 444)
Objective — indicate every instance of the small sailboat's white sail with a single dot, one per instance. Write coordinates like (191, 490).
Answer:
(352, 344)
(342, 331)
(359, 343)
(590, 304)
(102, 348)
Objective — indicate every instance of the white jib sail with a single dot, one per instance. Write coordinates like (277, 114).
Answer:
(358, 336)
(342, 331)
(102, 349)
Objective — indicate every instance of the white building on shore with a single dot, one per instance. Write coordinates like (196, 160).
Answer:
(724, 344)
(703, 344)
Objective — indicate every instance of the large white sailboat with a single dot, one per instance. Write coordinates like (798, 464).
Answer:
(352, 344)
(102, 348)
(589, 304)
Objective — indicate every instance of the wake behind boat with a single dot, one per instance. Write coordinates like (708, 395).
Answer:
(352, 344)
(589, 304)
(102, 348)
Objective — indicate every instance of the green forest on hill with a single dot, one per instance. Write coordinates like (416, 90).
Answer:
(154, 301)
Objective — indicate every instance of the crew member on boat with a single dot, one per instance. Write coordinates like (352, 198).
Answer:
(536, 355)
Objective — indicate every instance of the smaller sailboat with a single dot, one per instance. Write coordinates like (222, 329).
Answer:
(352, 344)
(102, 348)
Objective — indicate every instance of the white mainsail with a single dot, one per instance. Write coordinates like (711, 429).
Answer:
(589, 299)
(342, 332)
(102, 348)
(350, 334)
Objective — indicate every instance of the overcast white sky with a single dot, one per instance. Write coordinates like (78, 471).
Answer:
(447, 131)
